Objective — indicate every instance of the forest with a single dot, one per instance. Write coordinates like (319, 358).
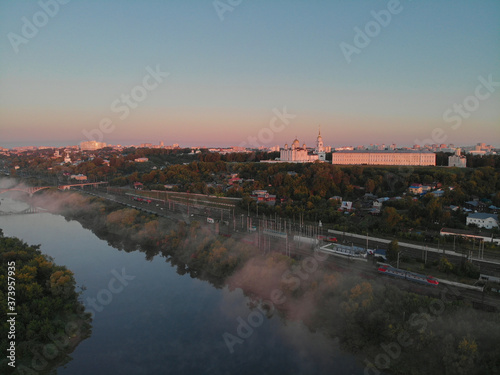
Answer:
(50, 320)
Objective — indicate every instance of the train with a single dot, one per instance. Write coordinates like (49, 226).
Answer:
(142, 200)
(327, 238)
(411, 276)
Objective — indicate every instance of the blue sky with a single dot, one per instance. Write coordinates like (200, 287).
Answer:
(227, 76)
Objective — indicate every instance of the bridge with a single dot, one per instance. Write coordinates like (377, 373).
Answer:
(33, 189)
(30, 210)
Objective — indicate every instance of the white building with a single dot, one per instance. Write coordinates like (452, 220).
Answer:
(483, 220)
(92, 145)
(384, 157)
(297, 154)
(457, 160)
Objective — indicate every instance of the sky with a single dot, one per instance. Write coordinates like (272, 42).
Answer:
(249, 73)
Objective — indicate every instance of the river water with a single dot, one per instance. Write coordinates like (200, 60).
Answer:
(148, 319)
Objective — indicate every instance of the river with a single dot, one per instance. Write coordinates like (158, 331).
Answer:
(148, 319)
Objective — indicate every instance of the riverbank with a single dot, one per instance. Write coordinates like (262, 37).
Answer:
(46, 321)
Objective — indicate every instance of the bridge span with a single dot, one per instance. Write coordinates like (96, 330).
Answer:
(33, 189)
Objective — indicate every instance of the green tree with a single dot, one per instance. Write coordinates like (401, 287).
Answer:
(445, 265)
(393, 250)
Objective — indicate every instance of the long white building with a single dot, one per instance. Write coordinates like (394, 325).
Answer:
(384, 157)
(91, 145)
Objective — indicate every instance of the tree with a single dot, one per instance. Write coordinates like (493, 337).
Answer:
(445, 265)
(393, 250)
(391, 217)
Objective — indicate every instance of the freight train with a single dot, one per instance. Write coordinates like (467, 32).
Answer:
(402, 274)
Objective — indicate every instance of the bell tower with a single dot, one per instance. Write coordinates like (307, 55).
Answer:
(319, 142)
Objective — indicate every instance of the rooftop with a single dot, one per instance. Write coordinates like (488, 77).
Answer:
(482, 215)
(385, 152)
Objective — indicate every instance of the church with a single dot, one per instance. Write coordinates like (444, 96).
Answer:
(298, 154)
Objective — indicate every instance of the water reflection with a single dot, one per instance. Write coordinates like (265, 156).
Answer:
(167, 319)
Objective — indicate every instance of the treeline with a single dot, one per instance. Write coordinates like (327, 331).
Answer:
(50, 320)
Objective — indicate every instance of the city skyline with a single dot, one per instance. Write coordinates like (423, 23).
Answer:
(221, 76)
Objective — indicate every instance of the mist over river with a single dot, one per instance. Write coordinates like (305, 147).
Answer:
(148, 319)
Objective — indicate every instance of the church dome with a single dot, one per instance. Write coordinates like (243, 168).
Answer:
(296, 143)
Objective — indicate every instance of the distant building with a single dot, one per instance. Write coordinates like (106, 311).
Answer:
(457, 160)
(483, 220)
(141, 160)
(415, 189)
(262, 196)
(91, 145)
(384, 157)
(297, 154)
(345, 206)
